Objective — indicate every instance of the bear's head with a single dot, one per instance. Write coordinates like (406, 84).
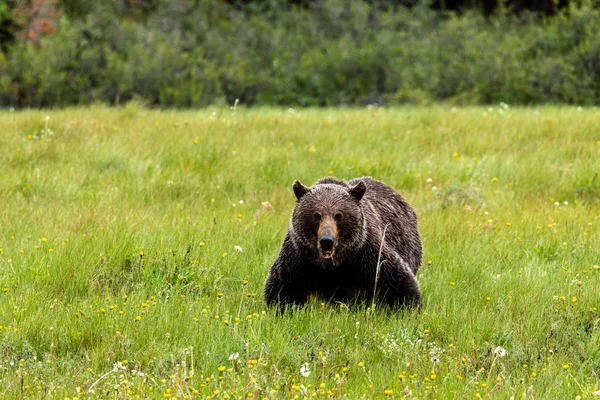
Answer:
(327, 224)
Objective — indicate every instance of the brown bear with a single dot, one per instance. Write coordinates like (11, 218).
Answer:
(335, 243)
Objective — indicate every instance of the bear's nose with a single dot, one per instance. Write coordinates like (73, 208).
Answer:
(326, 242)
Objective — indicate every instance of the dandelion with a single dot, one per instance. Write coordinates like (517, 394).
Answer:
(566, 203)
(197, 140)
(388, 392)
(221, 368)
(305, 370)
(495, 179)
(434, 188)
(429, 180)
(500, 351)
(429, 262)
(556, 203)
(361, 364)
(312, 149)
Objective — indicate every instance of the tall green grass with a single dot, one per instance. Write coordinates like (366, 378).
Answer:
(120, 275)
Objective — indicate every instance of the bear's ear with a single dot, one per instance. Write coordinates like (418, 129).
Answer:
(299, 189)
(358, 190)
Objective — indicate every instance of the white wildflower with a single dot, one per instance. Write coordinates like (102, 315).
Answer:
(234, 356)
(238, 248)
(305, 370)
(429, 180)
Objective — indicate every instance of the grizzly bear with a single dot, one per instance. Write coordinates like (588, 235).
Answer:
(348, 241)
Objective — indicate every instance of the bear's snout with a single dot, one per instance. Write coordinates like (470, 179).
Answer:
(327, 237)
(326, 243)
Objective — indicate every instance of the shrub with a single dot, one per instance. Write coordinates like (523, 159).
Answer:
(332, 52)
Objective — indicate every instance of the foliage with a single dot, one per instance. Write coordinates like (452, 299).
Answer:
(134, 247)
(193, 54)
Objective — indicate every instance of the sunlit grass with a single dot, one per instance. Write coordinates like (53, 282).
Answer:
(134, 245)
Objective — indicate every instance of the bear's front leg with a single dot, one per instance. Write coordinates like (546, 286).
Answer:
(285, 283)
(397, 286)
(281, 290)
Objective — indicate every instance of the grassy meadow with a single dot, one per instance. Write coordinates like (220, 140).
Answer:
(134, 245)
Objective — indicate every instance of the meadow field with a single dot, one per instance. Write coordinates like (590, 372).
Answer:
(134, 245)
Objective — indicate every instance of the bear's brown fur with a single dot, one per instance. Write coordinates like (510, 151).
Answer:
(334, 242)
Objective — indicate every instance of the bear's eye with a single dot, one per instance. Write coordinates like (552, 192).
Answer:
(317, 216)
(338, 216)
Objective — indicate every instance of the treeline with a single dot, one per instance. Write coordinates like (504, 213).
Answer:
(186, 53)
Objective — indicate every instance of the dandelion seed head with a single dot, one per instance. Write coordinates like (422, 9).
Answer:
(500, 351)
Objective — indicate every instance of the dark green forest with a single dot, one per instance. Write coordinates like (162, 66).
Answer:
(195, 53)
